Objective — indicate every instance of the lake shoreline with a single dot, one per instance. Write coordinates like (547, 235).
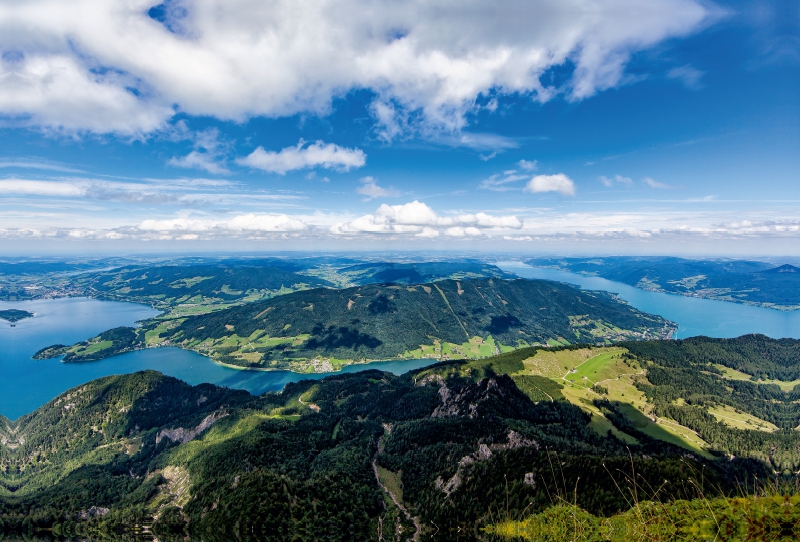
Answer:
(760, 304)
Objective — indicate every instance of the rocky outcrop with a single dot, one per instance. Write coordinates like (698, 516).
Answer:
(93, 512)
(183, 435)
(495, 396)
(484, 453)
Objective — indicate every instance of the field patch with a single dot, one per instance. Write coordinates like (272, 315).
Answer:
(740, 420)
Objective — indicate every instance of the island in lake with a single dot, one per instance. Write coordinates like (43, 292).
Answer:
(14, 315)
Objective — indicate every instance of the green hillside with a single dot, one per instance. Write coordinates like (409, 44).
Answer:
(323, 329)
(533, 443)
(345, 458)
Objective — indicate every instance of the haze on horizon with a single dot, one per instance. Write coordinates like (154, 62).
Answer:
(578, 126)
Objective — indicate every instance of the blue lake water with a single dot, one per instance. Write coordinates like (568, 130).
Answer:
(26, 384)
(694, 316)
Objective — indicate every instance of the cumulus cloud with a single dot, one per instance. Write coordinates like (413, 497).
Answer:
(104, 67)
(528, 165)
(457, 231)
(551, 183)
(371, 189)
(428, 233)
(616, 179)
(319, 154)
(419, 219)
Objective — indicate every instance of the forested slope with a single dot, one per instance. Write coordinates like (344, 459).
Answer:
(323, 329)
(457, 452)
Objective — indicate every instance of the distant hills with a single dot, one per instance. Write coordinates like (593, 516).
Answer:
(421, 272)
(202, 286)
(740, 281)
(320, 330)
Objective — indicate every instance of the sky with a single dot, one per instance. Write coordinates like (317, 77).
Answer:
(542, 127)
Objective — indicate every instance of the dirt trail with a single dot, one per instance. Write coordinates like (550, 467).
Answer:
(397, 503)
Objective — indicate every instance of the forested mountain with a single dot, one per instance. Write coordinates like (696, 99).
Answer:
(443, 452)
(323, 329)
(742, 281)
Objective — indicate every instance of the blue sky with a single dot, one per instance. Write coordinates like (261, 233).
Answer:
(667, 127)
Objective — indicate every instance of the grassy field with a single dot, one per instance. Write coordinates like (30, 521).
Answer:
(665, 429)
(583, 398)
(733, 374)
(606, 365)
(93, 347)
(554, 364)
(392, 482)
(740, 420)
(474, 348)
(579, 370)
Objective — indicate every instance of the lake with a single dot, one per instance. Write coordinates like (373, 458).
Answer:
(693, 315)
(26, 384)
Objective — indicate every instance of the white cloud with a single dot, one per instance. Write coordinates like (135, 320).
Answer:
(501, 183)
(689, 76)
(528, 165)
(240, 223)
(319, 154)
(477, 141)
(371, 189)
(463, 232)
(619, 179)
(199, 160)
(652, 183)
(184, 191)
(428, 233)
(38, 163)
(209, 151)
(41, 188)
(488, 221)
(418, 218)
(89, 65)
(551, 183)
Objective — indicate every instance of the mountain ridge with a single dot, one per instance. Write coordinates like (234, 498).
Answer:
(321, 330)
